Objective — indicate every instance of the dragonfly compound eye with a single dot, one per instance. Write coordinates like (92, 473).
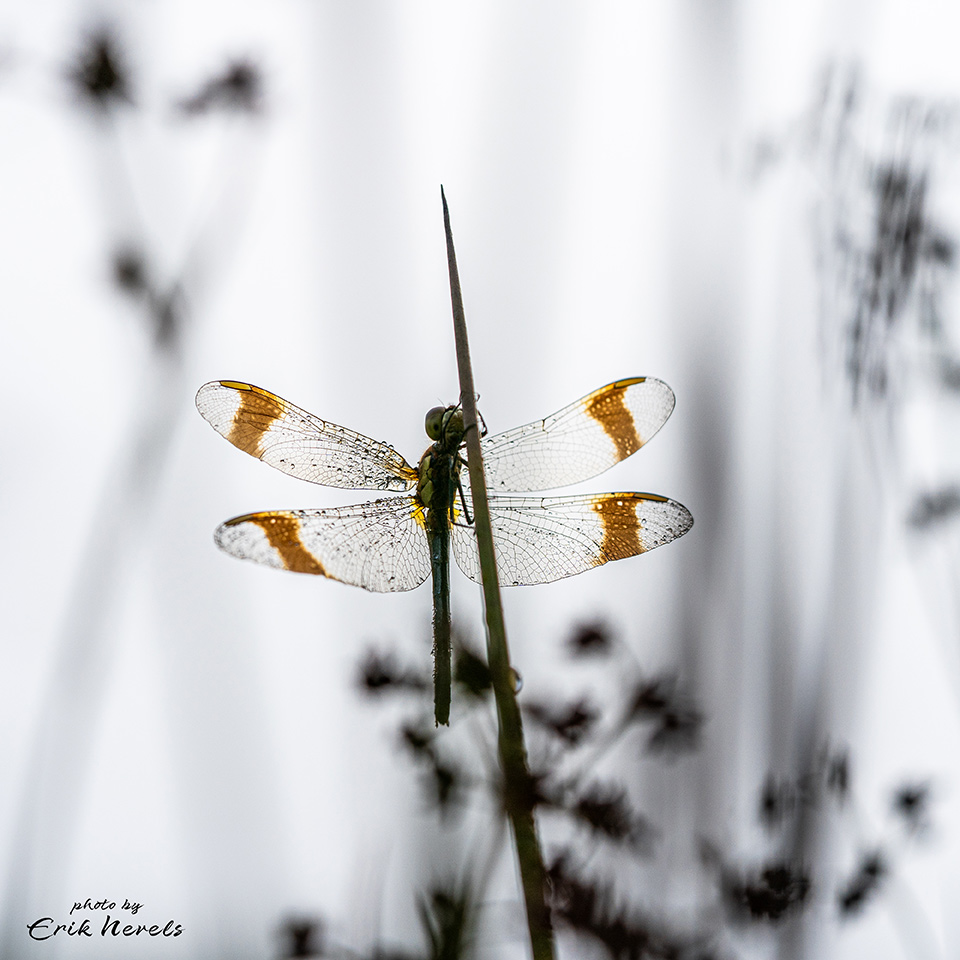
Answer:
(434, 422)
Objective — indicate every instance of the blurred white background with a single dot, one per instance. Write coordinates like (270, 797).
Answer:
(704, 192)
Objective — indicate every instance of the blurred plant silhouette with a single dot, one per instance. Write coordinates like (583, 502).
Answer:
(583, 811)
(238, 88)
(883, 181)
(864, 884)
(930, 509)
(887, 240)
(911, 803)
(301, 937)
(101, 75)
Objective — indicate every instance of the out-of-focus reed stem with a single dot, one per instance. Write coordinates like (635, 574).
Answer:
(518, 793)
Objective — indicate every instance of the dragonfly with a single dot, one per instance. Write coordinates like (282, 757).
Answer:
(395, 543)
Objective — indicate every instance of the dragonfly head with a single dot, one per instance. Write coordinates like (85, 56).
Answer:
(442, 422)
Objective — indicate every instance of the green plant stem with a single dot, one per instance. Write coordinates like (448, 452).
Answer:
(518, 784)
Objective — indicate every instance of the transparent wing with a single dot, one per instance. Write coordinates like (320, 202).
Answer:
(380, 546)
(298, 443)
(579, 441)
(541, 539)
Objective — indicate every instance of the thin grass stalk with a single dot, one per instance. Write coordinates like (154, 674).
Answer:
(518, 784)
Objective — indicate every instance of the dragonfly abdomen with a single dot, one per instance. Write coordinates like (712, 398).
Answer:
(436, 489)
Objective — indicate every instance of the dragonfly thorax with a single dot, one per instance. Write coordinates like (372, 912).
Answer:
(440, 465)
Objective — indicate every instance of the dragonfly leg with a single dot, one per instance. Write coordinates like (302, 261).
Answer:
(463, 503)
(482, 426)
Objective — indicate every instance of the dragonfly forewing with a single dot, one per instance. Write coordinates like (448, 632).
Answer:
(580, 441)
(298, 443)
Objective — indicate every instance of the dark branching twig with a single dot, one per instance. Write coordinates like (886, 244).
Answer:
(590, 639)
(769, 892)
(854, 895)
(571, 722)
(591, 909)
(239, 88)
(471, 674)
(380, 673)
